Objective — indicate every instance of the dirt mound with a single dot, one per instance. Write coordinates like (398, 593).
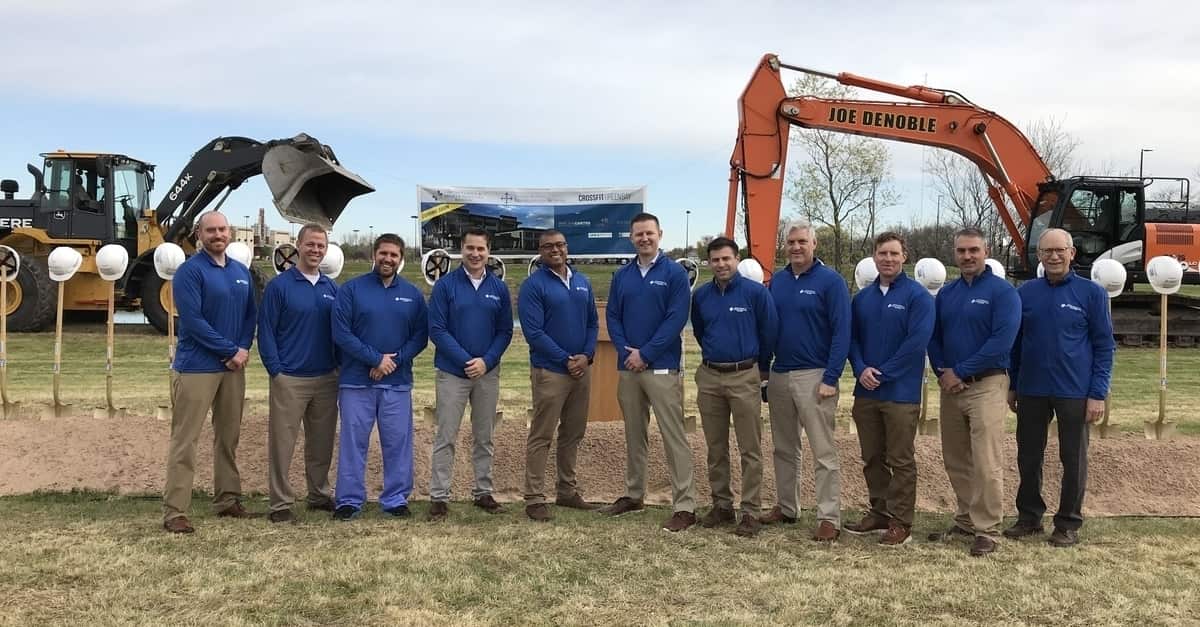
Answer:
(1127, 475)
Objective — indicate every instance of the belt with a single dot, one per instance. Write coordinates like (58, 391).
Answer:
(732, 366)
(990, 372)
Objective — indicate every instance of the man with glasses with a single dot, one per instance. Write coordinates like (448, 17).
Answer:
(560, 323)
(1061, 367)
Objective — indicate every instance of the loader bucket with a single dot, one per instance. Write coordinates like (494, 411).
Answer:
(307, 187)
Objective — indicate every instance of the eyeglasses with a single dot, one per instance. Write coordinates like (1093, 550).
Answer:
(553, 245)
(1051, 252)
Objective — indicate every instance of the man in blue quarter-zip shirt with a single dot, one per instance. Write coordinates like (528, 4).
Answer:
(977, 319)
(559, 321)
(214, 296)
(647, 310)
(380, 324)
(1061, 364)
(891, 323)
(471, 325)
(295, 341)
(735, 323)
(813, 304)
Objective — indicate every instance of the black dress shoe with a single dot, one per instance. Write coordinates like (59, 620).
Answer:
(400, 511)
(1023, 529)
(438, 511)
(488, 504)
(281, 516)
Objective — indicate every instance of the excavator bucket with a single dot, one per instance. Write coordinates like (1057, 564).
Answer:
(309, 186)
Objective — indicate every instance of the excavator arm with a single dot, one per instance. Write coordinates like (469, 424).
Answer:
(943, 119)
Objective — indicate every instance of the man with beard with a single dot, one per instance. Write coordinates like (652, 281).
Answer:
(380, 324)
(471, 325)
(214, 296)
(559, 321)
(295, 341)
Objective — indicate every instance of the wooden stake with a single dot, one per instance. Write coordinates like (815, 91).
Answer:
(4, 339)
(59, 408)
(108, 362)
(1162, 361)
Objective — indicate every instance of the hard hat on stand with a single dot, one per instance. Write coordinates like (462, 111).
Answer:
(111, 261)
(931, 274)
(167, 259)
(865, 272)
(63, 262)
(335, 259)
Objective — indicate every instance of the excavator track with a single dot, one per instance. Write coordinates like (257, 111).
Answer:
(1136, 317)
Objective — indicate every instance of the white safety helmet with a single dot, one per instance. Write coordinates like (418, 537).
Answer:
(167, 259)
(10, 259)
(751, 269)
(931, 274)
(111, 261)
(63, 262)
(239, 252)
(996, 266)
(865, 272)
(331, 265)
(1165, 274)
(1110, 275)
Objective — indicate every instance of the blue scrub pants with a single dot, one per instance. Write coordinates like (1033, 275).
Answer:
(361, 409)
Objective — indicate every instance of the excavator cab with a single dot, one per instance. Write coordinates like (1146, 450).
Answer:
(1103, 215)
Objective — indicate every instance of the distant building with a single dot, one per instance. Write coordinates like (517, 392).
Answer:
(278, 237)
(244, 235)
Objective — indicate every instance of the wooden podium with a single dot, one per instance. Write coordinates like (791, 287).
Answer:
(602, 404)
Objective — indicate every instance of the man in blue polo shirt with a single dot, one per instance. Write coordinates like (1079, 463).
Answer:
(214, 296)
(1062, 364)
(295, 341)
(735, 323)
(891, 323)
(813, 304)
(647, 310)
(471, 325)
(560, 323)
(380, 325)
(977, 319)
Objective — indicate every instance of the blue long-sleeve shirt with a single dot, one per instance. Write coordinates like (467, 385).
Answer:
(369, 320)
(558, 321)
(814, 321)
(1065, 346)
(975, 326)
(889, 332)
(295, 334)
(736, 323)
(648, 313)
(216, 312)
(465, 322)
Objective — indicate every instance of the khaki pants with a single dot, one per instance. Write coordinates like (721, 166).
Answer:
(453, 393)
(637, 393)
(558, 402)
(296, 401)
(795, 408)
(886, 433)
(194, 393)
(720, 394)
(972, 424)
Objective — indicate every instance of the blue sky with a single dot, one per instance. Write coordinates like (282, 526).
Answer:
(528, 94)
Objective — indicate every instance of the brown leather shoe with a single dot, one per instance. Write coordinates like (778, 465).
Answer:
(826, 532)
(438, 510)
(237, 511)
(869, 523)
(179, 524)
(718, 516)
(488, 504)
(281, 516)
(897, 534)
(538, 512)
(623, 505)
(983, 546)
(679, 521)
(748, 526)
(776, 516)
(1063, 538)
(576, 502)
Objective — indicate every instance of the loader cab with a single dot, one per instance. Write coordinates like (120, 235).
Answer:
(1103, 215)
(94, 196)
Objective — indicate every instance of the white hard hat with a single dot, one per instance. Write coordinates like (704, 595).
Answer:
(10, 260)
(63, 262)
(240, 252)
(167, 259)
(1165, 274)
(331, 265)
(1110, 275)
(865, 272)
(931, 274)
(996, 266)
(751, 269)
(111, 261)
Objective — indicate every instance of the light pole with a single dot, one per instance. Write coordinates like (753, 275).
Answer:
(1142, 161)
(371, 232)
(416, 243)
(687, 242)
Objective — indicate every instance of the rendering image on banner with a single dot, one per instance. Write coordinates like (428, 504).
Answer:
(594, 220)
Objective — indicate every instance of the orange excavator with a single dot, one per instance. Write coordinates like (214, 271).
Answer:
(1107, 216)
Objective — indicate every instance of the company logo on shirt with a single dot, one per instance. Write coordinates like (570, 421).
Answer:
(241, 281)
(808, 292)
(581, 288)
(896, 306)
(738, 309)
(1071, 307)
(491, 296)
(980, 301)
(403, 299)
(327, 296)
(657, 282)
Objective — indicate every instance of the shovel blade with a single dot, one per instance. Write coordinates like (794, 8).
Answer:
(308, 185)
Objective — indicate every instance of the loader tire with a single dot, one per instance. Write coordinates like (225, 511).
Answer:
(154, 301)
(31, 297)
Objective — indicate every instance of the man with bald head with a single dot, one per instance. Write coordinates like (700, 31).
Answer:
(214, 296)
(1061, 366)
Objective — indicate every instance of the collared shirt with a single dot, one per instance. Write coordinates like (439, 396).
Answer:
(371, 319)
(975, 326)
(814, 321)
(216, 312)
(295, 333)
(468, 320)
(649, 312)
(646, 268)
(889, 332)
(735, 323)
